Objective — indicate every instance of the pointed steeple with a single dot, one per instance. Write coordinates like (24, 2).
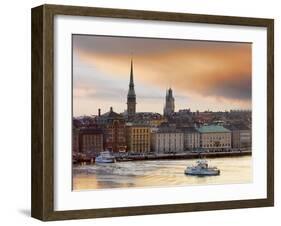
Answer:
(131, 92)
(131, 97)
(132, 74)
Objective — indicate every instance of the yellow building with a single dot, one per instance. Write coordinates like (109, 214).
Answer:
(138, 138)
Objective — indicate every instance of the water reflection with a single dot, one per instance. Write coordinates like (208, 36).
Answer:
(159, 173)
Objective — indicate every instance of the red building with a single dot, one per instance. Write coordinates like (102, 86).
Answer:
(114, 131)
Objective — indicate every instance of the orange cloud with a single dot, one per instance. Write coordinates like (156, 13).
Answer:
(217, 72)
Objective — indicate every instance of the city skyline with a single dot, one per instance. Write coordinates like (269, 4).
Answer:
(204, 75)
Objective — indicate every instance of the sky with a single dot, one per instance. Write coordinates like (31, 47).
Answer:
(204, 75)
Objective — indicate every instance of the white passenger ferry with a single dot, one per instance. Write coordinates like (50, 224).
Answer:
(202, 169)
(105, 157)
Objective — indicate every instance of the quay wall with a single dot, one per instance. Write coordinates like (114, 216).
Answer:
(186, 156)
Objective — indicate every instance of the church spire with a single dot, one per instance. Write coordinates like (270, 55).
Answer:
(131, 97)
(131, 84)
(132, 74)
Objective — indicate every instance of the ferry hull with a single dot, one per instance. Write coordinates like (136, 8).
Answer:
(104, 160)
(202, 172)
(105, 157)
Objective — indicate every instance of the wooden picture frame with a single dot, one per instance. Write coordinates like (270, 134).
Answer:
(42, 203)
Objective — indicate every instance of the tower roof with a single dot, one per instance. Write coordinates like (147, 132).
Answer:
(132, 73)
(111, 114)
(213, 129)
(131, 92)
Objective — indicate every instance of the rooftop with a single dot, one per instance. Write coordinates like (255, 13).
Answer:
(237, 127)
(90, 131)
(213, 129)
(168, 130)
(138, 124)
(111, 114)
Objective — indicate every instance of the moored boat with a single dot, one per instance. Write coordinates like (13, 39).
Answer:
(105, 157)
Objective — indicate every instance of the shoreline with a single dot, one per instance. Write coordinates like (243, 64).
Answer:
(176, 156)
(185, 156)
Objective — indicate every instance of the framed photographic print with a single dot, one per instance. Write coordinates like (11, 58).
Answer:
(141, 112)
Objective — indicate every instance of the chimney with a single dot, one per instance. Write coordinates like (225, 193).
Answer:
(99, 112)
(111, 109)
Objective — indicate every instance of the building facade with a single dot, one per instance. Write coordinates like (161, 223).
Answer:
(131, 97)
(214, 137)
(241, 136)
(245, 138)
(235, 138)
(169, 107)
(90, 141)
(167, 141)
(75, 140)
(114, 130)
(138, 138)
(191, 138)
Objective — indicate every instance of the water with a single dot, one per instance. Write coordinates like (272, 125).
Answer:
(159, 173)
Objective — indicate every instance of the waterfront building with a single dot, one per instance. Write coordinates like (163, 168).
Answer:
(241, 136)
(245, 138)
(131, 97)
(167, 140)
(214, 137)
(75, 139)
(90, 141)
(138, 138)
(191, 138)
(169, 107)
(114, 130)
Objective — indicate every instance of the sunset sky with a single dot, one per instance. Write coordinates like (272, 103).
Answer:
(203, 75)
